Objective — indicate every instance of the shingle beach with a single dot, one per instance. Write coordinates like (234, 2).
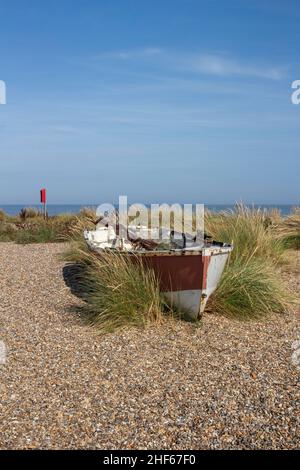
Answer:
(225, 384)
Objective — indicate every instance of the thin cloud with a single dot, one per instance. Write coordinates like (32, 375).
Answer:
(205, 63)
(219, 65)
(131, 54)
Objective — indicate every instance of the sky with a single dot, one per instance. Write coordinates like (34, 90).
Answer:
(162, 100)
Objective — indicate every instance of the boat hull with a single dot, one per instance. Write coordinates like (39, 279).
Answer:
(188, 278)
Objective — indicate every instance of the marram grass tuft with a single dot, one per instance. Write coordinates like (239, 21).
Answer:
(250, 290)
(250, 232)
(288, 230)
(251, 284)
(117, 291)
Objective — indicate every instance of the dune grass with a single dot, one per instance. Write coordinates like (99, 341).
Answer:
(2, 215)
(39, 234)
(120, 293)
(288, 230)
(117, 292)
(29, 213)
(251, 285)
(29, 226)
(250, 290)
(249, 230)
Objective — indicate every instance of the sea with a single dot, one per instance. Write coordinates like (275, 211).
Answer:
(55, 209)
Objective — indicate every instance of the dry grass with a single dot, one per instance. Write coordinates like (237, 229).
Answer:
(31, 227)
(250, 290)
(118, 292)
(29, 213)
(288, 230)
(2, 215)
(251, 285)
(250, 232)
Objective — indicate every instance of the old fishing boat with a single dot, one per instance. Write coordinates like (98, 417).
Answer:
(188, 270)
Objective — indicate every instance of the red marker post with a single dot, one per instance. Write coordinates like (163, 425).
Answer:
(43, 201)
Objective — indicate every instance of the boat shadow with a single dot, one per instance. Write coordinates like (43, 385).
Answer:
(72, 273)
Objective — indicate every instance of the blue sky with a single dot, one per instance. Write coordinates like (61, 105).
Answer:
(165, 101)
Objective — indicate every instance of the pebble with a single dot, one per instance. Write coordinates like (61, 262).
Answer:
(225, 384)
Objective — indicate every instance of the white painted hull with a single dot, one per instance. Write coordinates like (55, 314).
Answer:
(193, 301)
(187, 277)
